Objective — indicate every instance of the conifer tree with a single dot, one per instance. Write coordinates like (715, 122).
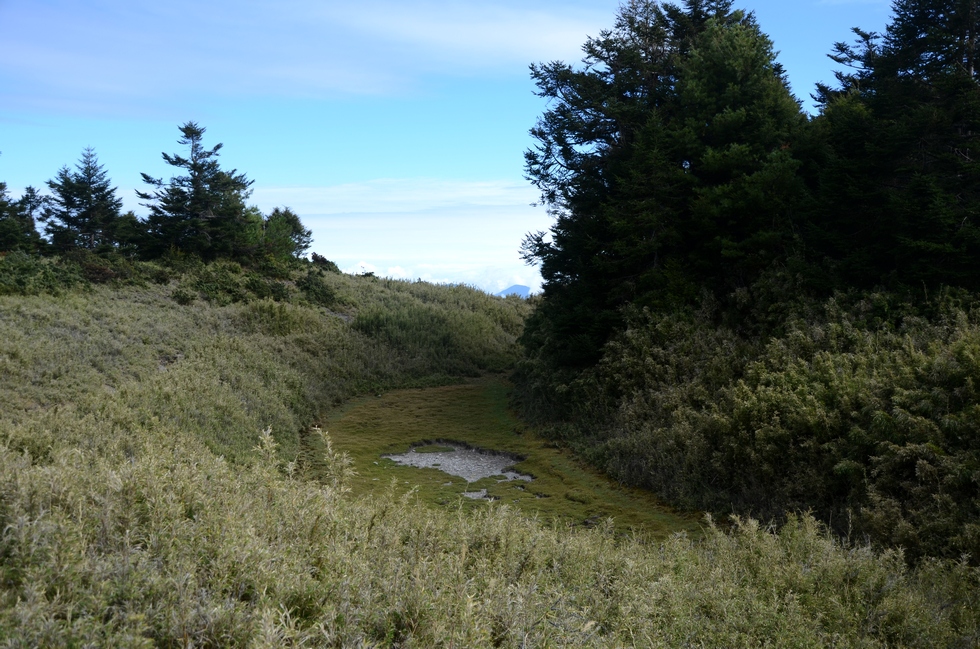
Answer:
(900, 183)
(27, 212)
(284, 235)
(202, 211)
(17, 230)
(31, 205)
(83, 208)
(930, 39)
(667, 162)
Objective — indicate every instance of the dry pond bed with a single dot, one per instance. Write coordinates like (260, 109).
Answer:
(463, 461)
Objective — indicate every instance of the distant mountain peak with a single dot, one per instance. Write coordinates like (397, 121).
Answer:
(517, 289)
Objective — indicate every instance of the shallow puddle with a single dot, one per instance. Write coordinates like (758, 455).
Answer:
(470, 464)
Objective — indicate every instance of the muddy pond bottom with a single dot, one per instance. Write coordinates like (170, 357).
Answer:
(470, 464)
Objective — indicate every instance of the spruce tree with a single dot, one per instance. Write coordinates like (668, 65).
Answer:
(668, 165)
(930, 39)
(202, 211)
(83, 207)
(734, 138)
(31, 205)
(28, 211)
(900, 181)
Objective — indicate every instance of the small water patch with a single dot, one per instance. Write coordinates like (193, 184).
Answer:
(470, 464)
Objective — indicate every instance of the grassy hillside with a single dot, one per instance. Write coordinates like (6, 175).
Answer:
(206, 353)
(156, 490)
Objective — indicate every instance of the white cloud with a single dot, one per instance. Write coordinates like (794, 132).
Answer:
(400, 195)
(150, 52)
(360, 268)
(430, 229)
(480, 34)
(468, 249)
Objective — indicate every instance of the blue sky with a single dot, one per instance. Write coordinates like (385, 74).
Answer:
(395, 129)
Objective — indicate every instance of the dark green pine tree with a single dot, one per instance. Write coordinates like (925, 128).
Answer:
(201, 212)
(83, 209)
(31, 205)
(734, 189)
(8, 235)
(932, 39)
(668, 165)
(17, 225)
(900, 182)
(29, 210)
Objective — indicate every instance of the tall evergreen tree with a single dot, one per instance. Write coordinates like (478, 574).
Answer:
(667, 162)
(733, 137)
(83, 209)
(31, 205)
(28, 210)
(202, 211)
(900, 184)
(932, 39)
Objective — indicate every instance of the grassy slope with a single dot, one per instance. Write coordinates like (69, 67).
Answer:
(141, 506)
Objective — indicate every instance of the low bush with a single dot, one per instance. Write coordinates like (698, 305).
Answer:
(24, 274)
(316, 290)
(324, 263)
(437, 336)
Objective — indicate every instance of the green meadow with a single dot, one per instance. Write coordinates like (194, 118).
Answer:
(564, 491)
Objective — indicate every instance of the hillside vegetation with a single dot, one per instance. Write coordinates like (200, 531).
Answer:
(862, 411)
(153, 492)
(209, 352)
(750, 309)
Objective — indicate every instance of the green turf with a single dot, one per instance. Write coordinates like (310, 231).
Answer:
(476, 413)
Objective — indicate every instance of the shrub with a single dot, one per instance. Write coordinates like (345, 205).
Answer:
(220, 283)
(23, 274)
(183, 296)
(316, 290)
(278, 319)
(865, 415)
(456, 341)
